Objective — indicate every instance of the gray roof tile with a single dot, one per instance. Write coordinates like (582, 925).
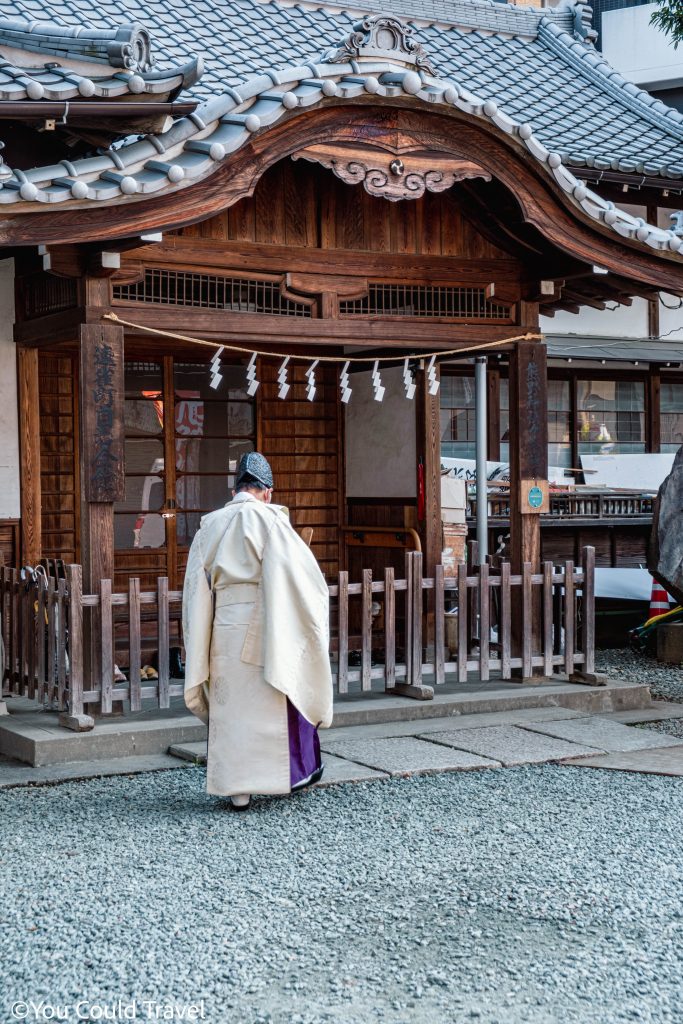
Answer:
(527, 61)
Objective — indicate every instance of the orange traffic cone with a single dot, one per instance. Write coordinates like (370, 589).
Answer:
(659, 601)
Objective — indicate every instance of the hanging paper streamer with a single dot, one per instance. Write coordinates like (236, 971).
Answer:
(310, 381)
(432, 382)
(408, 379)
(252, 383)
(282, 379)
(216, 375)
(377, 383)
(344, 384)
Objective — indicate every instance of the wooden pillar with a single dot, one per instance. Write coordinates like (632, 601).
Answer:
(528, 450)
(101, 447)
(29, 445)
(493, 411)
(528, 483)
(653, 427)
(429, 451)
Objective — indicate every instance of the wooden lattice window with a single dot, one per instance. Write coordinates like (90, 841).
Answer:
(214, 291)
(41, 294)
(427, 302)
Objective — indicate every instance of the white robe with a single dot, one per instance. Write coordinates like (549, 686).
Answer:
(256, 632)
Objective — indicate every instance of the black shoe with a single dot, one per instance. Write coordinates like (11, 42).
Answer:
(315, 777)
(175, 664)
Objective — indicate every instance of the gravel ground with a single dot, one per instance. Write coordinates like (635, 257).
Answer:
(674, 727)
(665, 681)
(524, 896)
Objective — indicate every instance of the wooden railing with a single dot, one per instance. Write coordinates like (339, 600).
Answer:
(484, 623)
(578, 505)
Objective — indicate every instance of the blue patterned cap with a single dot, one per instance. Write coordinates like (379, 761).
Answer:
(254, 467)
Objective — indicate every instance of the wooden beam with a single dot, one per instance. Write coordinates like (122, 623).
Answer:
(209, 254)
(29, 447)
(49, 330)
(269, 330)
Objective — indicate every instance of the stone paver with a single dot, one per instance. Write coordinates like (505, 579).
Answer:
(14, 774)
(425, 727)
(661, 711)
(612, 737)
(512, 745)
(404, 755)
(194, 752)
(337, 769)
(653, 761)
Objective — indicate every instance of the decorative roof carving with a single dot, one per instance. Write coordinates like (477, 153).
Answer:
(127, 46)
(383, 37)
(583, 21)
(393, 175)
(41, 60)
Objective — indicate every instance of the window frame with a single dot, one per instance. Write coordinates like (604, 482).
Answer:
(171, 549)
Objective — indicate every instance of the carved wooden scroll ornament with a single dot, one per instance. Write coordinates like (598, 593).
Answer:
(392, 176)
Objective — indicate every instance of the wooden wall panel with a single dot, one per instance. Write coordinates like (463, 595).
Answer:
(300, 439)
(9, 542)
(301, 204)
(59, 479)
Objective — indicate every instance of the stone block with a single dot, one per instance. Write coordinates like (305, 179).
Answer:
(660, 761)
(77, 723)
(406, 755)
(602, 734)
(670, 643)
(512, 745)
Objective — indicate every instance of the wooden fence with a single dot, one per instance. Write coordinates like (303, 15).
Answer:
(485, 623)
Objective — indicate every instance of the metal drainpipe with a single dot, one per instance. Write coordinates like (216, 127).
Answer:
(481, 451)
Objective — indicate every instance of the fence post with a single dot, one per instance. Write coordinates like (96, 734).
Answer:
(484, 623)
(408, 625)
(569, 617)
(3, 624)
(343, 633)
(134, 645)
(414, 687)
(163, 626)
(389, 629)
(586, 673)
(505, 622)
(75, 718)
(106, 648)
(527, 621)
(366, 631)
(548, 619)
(439, 625)
(12, 629)
(463, 622)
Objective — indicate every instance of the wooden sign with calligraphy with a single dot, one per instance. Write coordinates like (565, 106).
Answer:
(101, 393)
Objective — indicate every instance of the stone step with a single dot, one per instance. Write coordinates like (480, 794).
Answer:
(36, 738)
(13, 775)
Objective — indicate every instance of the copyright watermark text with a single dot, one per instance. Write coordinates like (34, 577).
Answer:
(116, 1010)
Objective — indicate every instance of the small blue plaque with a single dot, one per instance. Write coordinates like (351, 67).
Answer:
(535, 497)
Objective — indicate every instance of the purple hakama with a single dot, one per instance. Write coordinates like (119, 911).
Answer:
(305, 764)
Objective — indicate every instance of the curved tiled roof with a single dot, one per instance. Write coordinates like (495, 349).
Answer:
(535, 64)
(195, 144)
(529, 72)
(41, 60)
